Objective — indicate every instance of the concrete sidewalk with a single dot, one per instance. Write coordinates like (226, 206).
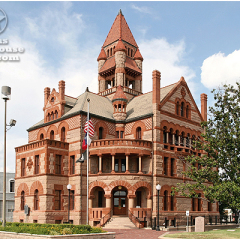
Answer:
(136, 233)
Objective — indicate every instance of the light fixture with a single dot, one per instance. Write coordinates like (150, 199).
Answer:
(6, 92)
(69, 186)
(158, 188)
(12, 122)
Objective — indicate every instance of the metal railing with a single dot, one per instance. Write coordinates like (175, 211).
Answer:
(134, 219)
(106, 218)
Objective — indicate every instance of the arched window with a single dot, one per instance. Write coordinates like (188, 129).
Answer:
(182, 109)
(193, 204)
(52, 135)
(165, 200)
(172, 202)
(187, 111)
(199, 202)
(63, 134)
(111, 52)
(138, 133)
(182, 139)
(49, 117)
(22, 200)
(36, 200)
(177, 108)
(41, 136)
(176, 138)
(209, 206)
(119, 107)
(170, 140)
(165, 135)
(52, 116)
(188, 140)
(128, 52)
(56, 114)
(108, 52)
(131, 53)
(100, 133)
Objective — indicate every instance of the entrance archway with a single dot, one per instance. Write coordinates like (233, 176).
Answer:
(120, 204)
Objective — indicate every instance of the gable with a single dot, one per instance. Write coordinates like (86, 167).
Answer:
(181, 94)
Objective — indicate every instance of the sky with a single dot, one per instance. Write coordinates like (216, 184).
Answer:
(62, 40)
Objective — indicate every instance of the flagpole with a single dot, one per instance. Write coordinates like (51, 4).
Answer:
(87, 154)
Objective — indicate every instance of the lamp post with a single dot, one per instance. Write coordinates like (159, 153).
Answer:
(158, 187)
(6, 94)
(69, 186)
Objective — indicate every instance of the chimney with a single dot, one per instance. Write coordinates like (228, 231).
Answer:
(46, 95)
(156, 77)
(61, 88)
(204, 106)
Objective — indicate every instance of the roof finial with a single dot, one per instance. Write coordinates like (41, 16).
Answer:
(120, 12)
(87, 90)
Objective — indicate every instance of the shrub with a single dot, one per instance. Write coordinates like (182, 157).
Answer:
(66, 231)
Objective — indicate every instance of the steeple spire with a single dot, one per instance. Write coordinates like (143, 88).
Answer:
(120, 12)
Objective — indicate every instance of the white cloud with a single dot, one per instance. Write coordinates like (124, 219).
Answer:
(33, 73)
(219, 69)
(141, 9)
(167, 58)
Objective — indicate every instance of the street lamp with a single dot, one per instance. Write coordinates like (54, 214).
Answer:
(158, 187)
(69, 186)
(6, 95)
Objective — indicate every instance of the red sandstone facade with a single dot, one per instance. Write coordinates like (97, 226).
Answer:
(139, 142)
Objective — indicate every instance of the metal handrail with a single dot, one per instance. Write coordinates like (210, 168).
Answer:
(131, 217)
(103, 220)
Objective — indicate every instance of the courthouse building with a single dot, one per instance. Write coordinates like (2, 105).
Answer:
(140, 140)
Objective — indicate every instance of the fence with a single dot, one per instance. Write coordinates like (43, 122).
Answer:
(182, 221)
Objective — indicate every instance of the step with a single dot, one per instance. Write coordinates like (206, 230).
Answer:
(120, 223)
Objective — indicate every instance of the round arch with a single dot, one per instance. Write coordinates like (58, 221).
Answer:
(36, 185)
(22, 187)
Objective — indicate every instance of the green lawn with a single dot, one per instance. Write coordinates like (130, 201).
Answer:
(215, 234)
(49, 229)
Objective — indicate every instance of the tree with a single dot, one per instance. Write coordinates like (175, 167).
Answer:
(218, 172)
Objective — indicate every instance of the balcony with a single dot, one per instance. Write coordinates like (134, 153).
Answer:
(125, 146)
(42, 144)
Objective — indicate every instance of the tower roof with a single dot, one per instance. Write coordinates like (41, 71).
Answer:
(119, 94)
(138, 55)
(102, 55)
(120, 29)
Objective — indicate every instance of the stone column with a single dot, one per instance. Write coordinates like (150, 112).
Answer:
(108, 201)
(149, 202)
(140, 164)
(113, 162)
(173, 139)
(127, 164)
(130, 202)
(167, 136)
(179, 140)
(90, 200)
(100, 164)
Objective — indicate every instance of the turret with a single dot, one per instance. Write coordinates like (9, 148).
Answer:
(120, 59)
(119, 102)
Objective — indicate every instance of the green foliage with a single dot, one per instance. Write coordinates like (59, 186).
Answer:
(219, 174)
(49, 229)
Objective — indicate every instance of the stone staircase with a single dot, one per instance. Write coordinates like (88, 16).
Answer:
(118, 222)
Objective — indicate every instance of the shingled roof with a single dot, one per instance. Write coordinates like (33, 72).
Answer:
(120, 29)
(100, 106)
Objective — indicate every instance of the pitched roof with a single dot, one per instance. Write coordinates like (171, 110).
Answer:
(138, 55)
(138, 107)
(110, 63)
(119, 94)
(102, 55)
(130, 63)
(120, 29)
(141, 105)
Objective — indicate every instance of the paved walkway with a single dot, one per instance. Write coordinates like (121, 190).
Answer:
(136, 233)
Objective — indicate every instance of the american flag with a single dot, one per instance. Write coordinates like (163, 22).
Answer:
(91, 128)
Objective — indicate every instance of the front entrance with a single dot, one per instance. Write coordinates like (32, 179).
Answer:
(120, 202)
